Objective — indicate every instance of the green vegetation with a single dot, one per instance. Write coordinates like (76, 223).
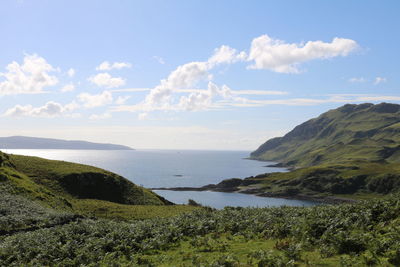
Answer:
(351, 133)
(83, 182)
(367, 180)
(361, 234)
(115, 211)
(351, 152)
(63, 189)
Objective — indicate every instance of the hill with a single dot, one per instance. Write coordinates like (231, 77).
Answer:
(79, 189)
(352, 151)
(364, 133)
(25, 142)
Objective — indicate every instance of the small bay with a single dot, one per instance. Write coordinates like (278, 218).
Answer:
(176, 168)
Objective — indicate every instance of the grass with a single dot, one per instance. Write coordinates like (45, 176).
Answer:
(73, 180)
(229, 250)
(115, 211)
(76, 189)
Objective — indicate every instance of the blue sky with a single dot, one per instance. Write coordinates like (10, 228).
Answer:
(190, 74)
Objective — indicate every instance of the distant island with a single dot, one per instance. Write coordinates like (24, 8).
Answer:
(25, 142)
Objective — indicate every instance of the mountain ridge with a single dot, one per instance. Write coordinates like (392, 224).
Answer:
(363, 132)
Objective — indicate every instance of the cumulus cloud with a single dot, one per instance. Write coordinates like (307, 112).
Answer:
(379, 80)
(68, 88)
(203, 100)
(50, 109)
(184, 76)
(265, 52)
(96, 100)
(71, 72)
(187, 76)
(226, 54)
(278, 56)
(105, 65)
(30, 77)
(104, 79)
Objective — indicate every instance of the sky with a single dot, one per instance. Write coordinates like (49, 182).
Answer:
(165, 74)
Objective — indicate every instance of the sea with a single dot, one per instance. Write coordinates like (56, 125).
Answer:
(177, 168)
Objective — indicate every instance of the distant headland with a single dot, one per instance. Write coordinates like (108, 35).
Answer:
(25, 142)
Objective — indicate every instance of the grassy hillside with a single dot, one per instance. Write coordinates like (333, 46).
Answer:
(75, 189)
(351, 151)
(82, 181)
(364, 132)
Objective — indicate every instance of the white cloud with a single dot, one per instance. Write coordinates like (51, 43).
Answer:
(103, 116)
(226, 54)
(68, 88)
(184, 76)
(159, 59)
(104, 79)
(50, 109)
(278, 56)
(71, 72)
(214, 97)
(357, 80)
(31, 77)
(187, 75)
(105, 65)
(379, 80)
(265, 52)
(205, 99)
(91, 101)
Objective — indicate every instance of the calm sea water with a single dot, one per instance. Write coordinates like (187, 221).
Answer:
(174, 168)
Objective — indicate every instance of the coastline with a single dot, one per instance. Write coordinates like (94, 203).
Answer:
(251, 187)
(320, 199)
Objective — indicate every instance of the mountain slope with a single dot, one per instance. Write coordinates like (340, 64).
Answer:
(25, 142)
(351, 133)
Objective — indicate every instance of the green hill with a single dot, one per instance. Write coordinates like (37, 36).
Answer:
(77, 189)
(352, 151)
(351, 133)
(83, 182)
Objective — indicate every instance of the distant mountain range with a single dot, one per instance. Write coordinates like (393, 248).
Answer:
(25, 142)
(351, 133)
